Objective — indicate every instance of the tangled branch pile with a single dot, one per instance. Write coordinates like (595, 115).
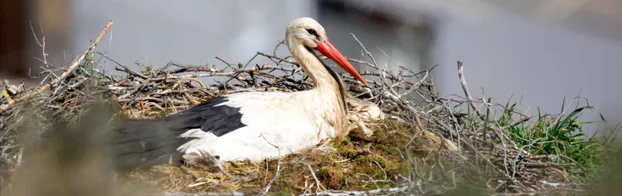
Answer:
(423, 146)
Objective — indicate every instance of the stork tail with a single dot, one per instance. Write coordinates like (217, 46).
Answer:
(141, 143)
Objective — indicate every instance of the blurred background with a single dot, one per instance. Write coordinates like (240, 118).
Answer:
(542, 50)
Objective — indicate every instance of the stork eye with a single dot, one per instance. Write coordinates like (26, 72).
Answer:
(312, 32)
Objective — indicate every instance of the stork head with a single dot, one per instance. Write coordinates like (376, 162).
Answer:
(311, 35)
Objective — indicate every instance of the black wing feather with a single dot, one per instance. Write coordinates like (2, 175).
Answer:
(219, 120)
(140, 143)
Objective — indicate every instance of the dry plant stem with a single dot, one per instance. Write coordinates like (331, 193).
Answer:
(277, 58)
(486, 118)
(521, 121)
(319, 185)
(40, 43)
(68, 71)
(465, 87)
(278, 167)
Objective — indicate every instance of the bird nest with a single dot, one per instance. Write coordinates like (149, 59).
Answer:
(419, 144)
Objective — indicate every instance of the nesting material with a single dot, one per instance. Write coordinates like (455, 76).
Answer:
(394, 145)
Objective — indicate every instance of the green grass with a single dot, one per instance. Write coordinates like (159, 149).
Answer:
(561, 134)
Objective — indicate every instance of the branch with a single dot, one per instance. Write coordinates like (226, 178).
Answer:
(67, 72)
(465, 87)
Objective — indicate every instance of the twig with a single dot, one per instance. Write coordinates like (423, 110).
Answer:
(487, 117)
(465, 87)
(278, 166)
(69, 70)
(40, 43)
(369, 192)
(317, 181)
(520, 121)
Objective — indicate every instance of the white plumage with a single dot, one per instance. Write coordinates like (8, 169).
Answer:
(252, 125)
(276, 124)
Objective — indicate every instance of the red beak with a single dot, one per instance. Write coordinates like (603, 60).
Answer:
(331, 52)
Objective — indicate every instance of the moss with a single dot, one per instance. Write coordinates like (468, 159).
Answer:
(344, 142)
(332, 177)
(355, 160)
(348, 152)
(405, 168)
(336, 178)
(375, 159)
(380, 132)
(322, 173)
(389, 149)
(281, 193)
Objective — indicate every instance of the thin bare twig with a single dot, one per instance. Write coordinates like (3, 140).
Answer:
(463, 83)
(69, 70)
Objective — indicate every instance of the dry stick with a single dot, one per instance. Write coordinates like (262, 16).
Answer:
(41, 43)
(67, 72)
(277, 58)
(317, 181)
(393, 190)
(278, 167)
(522, 120)
(465, 87)
(486, 119)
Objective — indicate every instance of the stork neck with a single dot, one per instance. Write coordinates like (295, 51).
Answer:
(328, 87)
(314, 68)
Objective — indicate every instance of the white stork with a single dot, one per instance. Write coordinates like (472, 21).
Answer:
(247, 126)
